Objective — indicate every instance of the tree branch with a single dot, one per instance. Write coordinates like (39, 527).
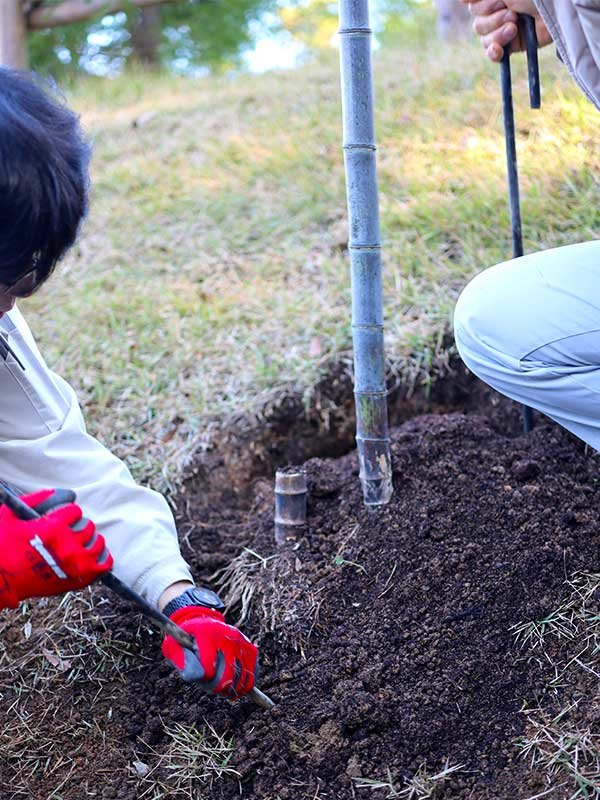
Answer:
(77, 10)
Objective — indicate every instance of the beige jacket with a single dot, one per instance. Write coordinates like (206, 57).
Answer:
(43, 442)
(575, 27)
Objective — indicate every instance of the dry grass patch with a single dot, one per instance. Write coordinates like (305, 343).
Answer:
(421, 786)
(45, 646)
(562, 740)
(193, 759)
(277, 593)
(239, 580)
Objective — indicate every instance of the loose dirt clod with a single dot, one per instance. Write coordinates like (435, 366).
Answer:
(394, 642)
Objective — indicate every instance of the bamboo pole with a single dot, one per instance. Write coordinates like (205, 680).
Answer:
(13, 35)
(372, 435)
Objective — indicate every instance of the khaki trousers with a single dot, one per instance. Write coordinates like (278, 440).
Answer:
(531, 329)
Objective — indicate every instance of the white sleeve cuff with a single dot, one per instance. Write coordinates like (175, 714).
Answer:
(152, 583)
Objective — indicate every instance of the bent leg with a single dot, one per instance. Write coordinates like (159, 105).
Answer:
(531, 329)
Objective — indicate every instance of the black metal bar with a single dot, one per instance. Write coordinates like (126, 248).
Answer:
(535, 101)
(511, 155)
(533, 68)
(513, 181)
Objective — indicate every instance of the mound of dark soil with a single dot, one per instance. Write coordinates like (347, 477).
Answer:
(404, 614)
(385, 636)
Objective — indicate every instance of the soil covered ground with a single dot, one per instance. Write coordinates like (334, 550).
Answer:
(387, 637)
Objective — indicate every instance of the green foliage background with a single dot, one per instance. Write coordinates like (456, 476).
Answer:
(196, 33)
(210, 34)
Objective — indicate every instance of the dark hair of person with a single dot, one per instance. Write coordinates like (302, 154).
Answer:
(44, 160)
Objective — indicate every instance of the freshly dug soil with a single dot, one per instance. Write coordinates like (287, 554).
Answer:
(385, 635)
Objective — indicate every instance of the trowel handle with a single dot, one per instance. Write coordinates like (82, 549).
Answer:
(533, 69)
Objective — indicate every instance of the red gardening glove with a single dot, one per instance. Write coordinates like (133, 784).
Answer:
(228, 660)
(45, 556)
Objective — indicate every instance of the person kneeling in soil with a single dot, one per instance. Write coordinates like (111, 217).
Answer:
(44, 163)
(531, 327)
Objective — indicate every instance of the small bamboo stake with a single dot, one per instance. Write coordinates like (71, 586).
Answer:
(372, 435)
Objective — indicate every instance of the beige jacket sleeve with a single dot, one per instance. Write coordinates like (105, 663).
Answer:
(44, 443)
(575, 27)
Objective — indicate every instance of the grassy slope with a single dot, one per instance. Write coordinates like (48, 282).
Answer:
(212, 271)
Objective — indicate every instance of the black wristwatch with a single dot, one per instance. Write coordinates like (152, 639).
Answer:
(196, 596)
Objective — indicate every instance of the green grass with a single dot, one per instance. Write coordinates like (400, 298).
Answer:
(212, 273)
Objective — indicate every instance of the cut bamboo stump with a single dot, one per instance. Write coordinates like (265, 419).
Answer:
(290, 504)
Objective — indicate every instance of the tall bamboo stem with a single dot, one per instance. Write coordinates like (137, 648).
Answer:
(372, 435)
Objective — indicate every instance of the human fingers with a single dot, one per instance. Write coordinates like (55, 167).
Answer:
(81, 550)
(57, 498)
(246, 681)
(494, 43)
(65, 516)
(486, 24)
(244, 655)
(495, 52)
(86, 531)
(34, 499)
(97, 553)
(484, 7)
(206, 665)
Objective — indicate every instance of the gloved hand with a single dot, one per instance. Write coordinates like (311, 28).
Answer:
(46, 556)
(228, 660)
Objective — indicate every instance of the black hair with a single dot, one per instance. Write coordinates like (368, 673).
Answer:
(44, 161)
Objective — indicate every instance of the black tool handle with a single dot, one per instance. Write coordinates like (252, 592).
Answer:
(511, 155)
(533, 68)
(513, 180)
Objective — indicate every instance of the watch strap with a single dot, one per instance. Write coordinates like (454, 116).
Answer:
(195, 596)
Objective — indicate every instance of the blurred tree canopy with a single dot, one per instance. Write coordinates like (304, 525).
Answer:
(183, 36)
(199, 35)
(315, 22)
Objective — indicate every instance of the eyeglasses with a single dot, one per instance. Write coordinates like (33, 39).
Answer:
(24, 286)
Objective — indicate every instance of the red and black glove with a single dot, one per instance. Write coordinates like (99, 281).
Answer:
(48, 556)
(228, 660)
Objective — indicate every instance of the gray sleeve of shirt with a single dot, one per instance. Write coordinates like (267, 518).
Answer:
(575, 27)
